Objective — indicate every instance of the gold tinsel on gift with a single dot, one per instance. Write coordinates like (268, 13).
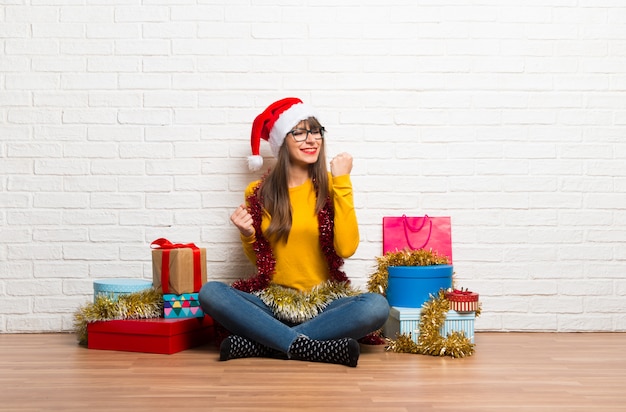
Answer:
(296, 306)
(378, 280)
(429, 340)
(139, 305)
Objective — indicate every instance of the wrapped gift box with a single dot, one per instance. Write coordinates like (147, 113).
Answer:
(459, 322)
(462, 300)
(178, 268)
(406, 320)
(182, 306)
(157, 335)
(116, 287)
(412, 286)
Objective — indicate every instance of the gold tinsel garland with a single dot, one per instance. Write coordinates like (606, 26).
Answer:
(139, 305)
(429, 340)
(296, 306)
(433, 315)
(378, 280)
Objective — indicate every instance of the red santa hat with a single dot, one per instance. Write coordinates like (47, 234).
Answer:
(273, 125)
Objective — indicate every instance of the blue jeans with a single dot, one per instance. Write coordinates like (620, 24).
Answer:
(246, 315)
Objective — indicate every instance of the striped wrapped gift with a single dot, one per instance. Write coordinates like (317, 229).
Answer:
(462, 300)
(407, 321)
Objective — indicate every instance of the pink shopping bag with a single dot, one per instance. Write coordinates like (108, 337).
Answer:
(421, 232)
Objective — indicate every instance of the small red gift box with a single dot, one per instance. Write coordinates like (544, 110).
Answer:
(156, 335)
(462, 300)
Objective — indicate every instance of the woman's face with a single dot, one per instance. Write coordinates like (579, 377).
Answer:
(304, 143)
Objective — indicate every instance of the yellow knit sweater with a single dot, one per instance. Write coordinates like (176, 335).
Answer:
(300, 262)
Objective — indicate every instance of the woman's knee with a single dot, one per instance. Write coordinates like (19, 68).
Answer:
(211, 287)
(212, 292)
(378, 307)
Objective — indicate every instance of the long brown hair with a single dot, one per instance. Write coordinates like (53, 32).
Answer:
(274, 194)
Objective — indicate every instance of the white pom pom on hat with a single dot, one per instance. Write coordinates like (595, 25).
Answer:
(273, 125)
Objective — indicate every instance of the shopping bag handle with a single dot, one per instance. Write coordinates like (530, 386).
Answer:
(408, 228)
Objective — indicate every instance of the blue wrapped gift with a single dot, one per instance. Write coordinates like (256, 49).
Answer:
(407, 321)
(116, 287)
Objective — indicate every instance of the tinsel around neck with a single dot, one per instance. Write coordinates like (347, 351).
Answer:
(265, 260)
(139, 305)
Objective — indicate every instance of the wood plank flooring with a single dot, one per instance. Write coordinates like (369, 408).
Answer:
(508, 372)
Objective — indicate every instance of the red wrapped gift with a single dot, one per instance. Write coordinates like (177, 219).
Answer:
(462, 300)
(178, 268)
(156, 335)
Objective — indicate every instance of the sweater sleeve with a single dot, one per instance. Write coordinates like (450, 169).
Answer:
(248, 241)
(347, 237)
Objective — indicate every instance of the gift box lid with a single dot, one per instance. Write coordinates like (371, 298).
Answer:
(401, 314)
(184, 296)
(153, 326)
(421, 272)
(461, 296)
(121, 285)
(454, 315)
(187, 300)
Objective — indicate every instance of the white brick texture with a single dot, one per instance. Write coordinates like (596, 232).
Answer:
(125, 121)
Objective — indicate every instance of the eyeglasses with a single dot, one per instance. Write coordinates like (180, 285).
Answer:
(300, 135)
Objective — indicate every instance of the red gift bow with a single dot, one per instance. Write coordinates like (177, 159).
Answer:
(166, 245)
(460, 295)
(461, 292)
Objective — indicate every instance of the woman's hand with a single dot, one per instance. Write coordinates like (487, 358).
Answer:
(341, 164)
(243, 220)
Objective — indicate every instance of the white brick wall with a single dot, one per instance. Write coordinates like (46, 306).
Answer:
(125, 121)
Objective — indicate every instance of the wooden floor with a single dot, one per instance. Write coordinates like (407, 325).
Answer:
(509, 372)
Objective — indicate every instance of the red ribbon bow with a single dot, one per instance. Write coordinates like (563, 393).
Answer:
(460, 295)
(461, 292)
(167, 246)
